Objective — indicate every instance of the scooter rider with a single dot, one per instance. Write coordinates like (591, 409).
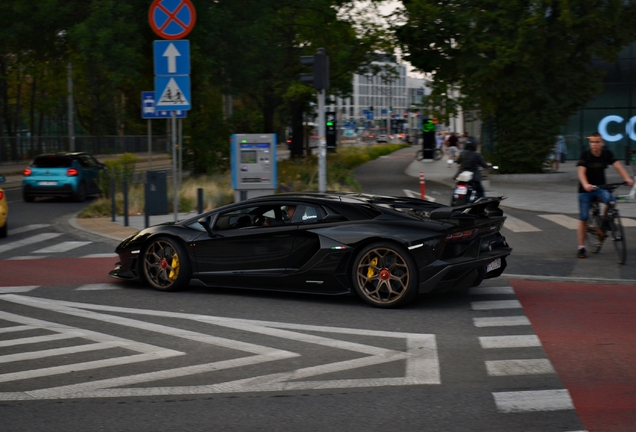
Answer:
(471, 160)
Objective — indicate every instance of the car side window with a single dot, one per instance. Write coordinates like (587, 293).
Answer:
(306, 214)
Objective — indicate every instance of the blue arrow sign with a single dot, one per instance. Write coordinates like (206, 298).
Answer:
(150, 111)
(171, 57)
(173, 92)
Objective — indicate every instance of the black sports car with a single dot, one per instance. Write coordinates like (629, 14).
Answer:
(385, 249)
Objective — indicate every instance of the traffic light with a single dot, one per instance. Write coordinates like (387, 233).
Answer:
(390, 110)
(392, 114)
(330, 130)
(320, 76)
(406, 115)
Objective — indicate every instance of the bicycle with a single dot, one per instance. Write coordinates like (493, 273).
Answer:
(437, 154)
(598, 225)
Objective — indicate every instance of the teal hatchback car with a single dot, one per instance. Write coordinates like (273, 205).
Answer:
(73, 175)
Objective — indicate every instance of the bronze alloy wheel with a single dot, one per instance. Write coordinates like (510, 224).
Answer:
(385, 275)
(165, 265)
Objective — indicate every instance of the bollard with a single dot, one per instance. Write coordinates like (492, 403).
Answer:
(200, 200)
(125, 202)
(422, 185)
(113, 204)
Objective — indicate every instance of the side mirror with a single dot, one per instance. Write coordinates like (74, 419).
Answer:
(205, 223)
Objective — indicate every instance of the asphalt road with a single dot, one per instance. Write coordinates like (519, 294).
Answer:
(89, 353)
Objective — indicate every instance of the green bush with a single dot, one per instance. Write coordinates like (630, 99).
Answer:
(121, 168)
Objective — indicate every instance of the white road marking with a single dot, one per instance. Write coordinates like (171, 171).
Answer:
(102, 255)
(413, 194)
(24, 258)
(508, 321)
(519, 367)
(628, 223)
(97, 287)
(491, 290)
(517, 225)
(16, 328)
(31, 355)
(27, 228)
(538, 400)
(521, 341)
(62, 247)
(18, 289)
(420, 356)
(28, 241)
(563, 220)
(495, 304)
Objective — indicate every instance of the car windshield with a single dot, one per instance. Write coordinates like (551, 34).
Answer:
(52, 162)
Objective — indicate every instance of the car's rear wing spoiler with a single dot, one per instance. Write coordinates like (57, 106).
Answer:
(483, 207)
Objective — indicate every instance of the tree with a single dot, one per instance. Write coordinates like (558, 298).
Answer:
(526, 65)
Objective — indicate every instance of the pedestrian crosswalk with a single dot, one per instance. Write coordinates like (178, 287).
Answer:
(39, 241)
(514, 338)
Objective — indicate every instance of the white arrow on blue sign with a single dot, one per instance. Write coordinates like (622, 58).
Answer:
(171, 57)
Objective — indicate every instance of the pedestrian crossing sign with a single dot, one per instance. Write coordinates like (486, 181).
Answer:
(173, 92)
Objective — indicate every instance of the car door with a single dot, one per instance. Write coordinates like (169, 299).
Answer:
(245, 251)
(90, 172)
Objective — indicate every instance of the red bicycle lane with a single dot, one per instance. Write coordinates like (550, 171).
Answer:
(56, 271)
(589, 334)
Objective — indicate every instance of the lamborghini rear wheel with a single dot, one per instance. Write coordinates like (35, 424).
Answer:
(165, 265)
(385, 275)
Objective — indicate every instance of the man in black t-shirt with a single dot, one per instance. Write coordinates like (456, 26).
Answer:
(591, 173)
(471, 161)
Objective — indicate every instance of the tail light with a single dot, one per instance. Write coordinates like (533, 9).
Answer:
(27, 172)
(72, 172)
(461, 235)
(1, 195)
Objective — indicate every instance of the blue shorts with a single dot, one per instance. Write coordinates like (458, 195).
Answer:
(586, 198)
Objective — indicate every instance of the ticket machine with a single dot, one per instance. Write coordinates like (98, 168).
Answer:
(253, 162)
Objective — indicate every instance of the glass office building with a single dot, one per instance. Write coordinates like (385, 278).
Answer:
(611, 113)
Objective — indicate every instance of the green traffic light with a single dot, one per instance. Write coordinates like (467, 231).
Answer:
(329, 123)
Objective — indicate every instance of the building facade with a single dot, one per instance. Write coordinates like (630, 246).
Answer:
(611, 113)
(384, 102)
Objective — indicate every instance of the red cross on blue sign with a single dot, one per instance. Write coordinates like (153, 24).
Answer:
(172, 19)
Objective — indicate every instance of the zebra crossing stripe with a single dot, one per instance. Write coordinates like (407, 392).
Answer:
(495, 304)
(563, 220)
(18, 289)
(628, 223)
(517, 225)
(508, 321)
(519, 367)
(101, 255)
(519, 341)
(28, 241)
(97, 287)
(491, 290)
(62, 247)
(537, 400)
(27, 228)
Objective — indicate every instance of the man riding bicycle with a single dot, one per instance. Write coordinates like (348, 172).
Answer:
(591, 173)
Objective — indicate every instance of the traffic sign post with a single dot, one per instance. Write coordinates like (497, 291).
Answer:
(172, 19)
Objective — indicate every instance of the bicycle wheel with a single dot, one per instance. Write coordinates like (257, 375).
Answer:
(419, 155)
(437, 154)
(618, 238)
(595, 233)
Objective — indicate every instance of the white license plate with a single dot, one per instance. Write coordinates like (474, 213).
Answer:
(47, 183)
(493, 265)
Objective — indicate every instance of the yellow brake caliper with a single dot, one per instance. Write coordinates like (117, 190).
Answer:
(371, 270)
(175, 268)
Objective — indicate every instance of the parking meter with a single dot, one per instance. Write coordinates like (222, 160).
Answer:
(253, 163)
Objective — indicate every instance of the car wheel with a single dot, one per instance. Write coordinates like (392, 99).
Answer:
(80, 195)
(3, 230)
(165, 265)
(385, 275)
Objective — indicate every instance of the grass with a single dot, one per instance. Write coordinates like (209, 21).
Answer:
(293, 175)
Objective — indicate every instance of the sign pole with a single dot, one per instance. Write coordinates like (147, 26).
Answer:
(322, 148)
(149, 145)
(174, 167)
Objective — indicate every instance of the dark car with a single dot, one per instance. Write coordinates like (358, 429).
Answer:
(74, 175)
(385, 249)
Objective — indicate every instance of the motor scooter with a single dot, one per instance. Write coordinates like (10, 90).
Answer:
(464, 192)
